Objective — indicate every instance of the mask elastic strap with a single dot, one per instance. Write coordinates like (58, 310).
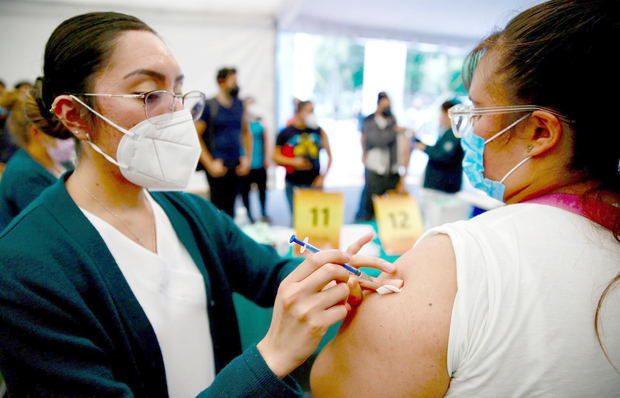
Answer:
(507, 128)
(116, 126)
(514, 168)
(105, 155)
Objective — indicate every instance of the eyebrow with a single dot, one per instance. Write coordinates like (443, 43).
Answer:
(153, 74)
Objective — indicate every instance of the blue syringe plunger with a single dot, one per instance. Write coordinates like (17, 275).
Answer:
(305, 245)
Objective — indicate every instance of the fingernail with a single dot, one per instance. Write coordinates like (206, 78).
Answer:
(395, 282)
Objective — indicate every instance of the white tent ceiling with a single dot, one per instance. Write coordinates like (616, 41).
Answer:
(438, 21)
(207, 34)
(435, 21)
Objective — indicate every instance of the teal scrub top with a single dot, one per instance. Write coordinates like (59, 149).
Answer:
(22, 181)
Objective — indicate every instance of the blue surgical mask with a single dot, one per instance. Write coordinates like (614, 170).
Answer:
(473, 163)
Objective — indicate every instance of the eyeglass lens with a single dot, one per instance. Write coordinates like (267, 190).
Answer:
(195, 102)
(460, 124)
(164, 102)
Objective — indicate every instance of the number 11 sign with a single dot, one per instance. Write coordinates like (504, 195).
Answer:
(318, 215)
(399, 222)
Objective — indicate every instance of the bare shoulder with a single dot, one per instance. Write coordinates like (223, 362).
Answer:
(396, 345)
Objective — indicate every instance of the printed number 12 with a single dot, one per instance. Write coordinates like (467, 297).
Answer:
(403, 219)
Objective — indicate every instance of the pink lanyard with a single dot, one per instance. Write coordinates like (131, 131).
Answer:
(595, 210)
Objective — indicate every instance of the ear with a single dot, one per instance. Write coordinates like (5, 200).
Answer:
(69, 111)
(544, 132)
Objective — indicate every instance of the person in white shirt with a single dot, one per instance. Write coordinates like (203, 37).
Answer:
(521, 301)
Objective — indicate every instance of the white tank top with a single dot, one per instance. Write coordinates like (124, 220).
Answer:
(172, 293)
(529, 279)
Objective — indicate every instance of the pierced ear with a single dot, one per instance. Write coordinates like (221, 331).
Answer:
(69, 112)
(547, 132)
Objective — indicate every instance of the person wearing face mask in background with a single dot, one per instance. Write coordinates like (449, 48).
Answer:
(8, 98)
(38, 163)
(297, 149)
(444, 170)
(110, 286)
(382, 140)
(226, 142)
(261, 158)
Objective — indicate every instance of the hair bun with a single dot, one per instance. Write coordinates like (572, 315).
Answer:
(41, 116)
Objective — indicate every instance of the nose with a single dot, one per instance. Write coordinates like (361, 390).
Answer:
(177, 104)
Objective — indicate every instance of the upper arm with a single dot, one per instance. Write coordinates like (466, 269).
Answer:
(277, 154)
(396, 345)
(325, 143)
(201, 126)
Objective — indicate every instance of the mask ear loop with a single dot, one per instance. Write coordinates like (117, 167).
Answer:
(507, 128)
(116, 126)
(105, 155)
(95, 147)
(502, 132)
(514, 168)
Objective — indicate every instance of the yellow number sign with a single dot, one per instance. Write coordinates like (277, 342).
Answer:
(399, 222)
(318, 215)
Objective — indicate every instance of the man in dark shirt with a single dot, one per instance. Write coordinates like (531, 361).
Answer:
(297, 149)
(226, 142)
(380, 154)
(444, 169)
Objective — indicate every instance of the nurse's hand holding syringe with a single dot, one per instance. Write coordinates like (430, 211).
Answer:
(314, 296)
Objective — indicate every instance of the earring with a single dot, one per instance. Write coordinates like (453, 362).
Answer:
(529, 148)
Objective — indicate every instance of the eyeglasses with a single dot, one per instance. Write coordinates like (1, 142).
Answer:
(463, 117)
(162, 102)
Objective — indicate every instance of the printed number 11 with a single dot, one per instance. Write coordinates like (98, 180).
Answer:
(315, 216)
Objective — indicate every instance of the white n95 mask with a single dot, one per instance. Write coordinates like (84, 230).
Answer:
(160, 153)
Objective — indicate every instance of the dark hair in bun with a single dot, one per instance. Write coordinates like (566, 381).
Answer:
(77, 49)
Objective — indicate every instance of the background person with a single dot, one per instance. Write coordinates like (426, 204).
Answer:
(523, 299)
(34, 167)
(444, 170)
(23, 86)
(224, 130)
(108, 287)
(3, 111)
(262, 149)
(7, 147)
(380, 147)
(297, 149)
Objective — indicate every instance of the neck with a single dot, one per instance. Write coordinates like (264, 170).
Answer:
(97, 176)
(224, 97)
(576, 185)
(299, 123)
(100, 189)
(39, 153)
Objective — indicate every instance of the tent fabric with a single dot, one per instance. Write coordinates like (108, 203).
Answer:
(202, 42)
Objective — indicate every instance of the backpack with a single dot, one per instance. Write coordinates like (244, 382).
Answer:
(208, 134)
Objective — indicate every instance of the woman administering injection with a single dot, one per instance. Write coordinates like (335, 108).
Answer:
(109, 289)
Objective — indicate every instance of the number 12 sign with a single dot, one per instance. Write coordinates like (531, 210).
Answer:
(318, 215)
(399, 222)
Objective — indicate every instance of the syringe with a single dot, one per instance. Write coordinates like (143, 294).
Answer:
(305, 245)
